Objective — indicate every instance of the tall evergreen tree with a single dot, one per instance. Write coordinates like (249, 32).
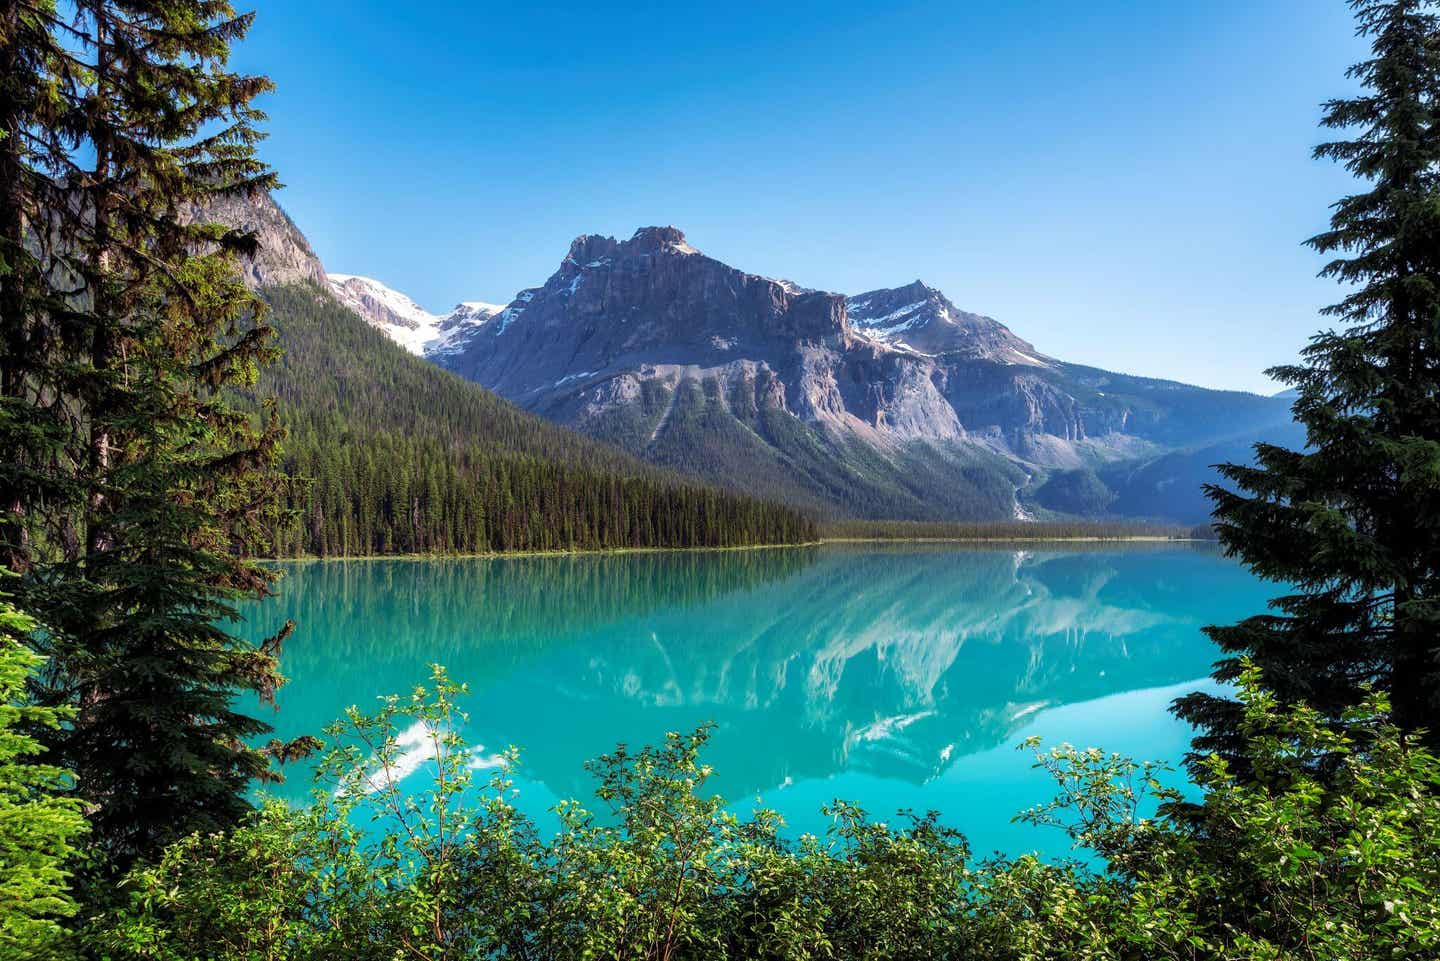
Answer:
(37, 109)
(1352, 522)
(135, 570)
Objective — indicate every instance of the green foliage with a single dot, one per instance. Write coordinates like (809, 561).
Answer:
(453, 468)
(1352, 521)
(1280, 865)
(137, 487)
(39, 824)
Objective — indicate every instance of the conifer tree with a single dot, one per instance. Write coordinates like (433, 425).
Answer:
(1352, 522)
(167, 484)
(37, 110)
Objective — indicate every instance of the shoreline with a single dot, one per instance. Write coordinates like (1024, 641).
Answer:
(502, 555)
(1077, 539)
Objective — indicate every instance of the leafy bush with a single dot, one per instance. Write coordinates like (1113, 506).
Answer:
(1283, 866)
(1325, 849)
(38, 826)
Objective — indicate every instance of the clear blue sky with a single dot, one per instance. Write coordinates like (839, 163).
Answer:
(1124, 184)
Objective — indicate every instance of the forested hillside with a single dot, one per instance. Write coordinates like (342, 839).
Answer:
(389, 454)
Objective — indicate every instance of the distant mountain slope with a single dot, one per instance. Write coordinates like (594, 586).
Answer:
(1170, 486)
(390, 454)
(892, 403)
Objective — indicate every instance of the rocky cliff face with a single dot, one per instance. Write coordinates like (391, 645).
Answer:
(892, 402)
(285, 256)
(650, 301)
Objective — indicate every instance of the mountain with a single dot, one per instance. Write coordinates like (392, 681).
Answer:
(404, 321)
(892, 403)
(387, 453)
(285, 257)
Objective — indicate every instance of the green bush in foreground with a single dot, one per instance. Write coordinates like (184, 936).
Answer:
(1280, 865)
(38, 826)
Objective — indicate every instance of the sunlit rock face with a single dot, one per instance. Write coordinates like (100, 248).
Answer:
(891, 403)
(283, 255)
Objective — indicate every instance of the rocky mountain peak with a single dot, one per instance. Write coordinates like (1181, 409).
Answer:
(653, 239)
(920, 318)
(919, 290)
(590, 248)
(593, 250)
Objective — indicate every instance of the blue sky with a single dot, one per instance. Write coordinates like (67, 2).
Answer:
(1124, 184)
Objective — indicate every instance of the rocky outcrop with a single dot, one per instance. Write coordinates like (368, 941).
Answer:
(284, 255)
(919, 319)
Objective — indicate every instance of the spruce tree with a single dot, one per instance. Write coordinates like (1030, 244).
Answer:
(168, 485)
(1352, 522)
(38, 107)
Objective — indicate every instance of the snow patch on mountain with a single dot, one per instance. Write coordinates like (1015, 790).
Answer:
(396, 315)
(457, 327)
(406, 322)
(895, 322)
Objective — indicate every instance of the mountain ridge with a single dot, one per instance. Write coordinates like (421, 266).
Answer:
(860, 401)
(892, 403)
(404, 321)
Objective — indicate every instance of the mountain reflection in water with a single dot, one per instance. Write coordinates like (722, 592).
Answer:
(884, 665)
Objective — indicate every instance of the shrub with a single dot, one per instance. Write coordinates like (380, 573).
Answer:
(1287, 865)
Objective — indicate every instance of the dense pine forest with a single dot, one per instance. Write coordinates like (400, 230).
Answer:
(387, 454)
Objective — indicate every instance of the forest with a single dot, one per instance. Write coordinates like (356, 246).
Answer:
(386, 454)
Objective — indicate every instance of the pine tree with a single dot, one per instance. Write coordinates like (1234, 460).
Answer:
(167, 485)
(1352, 522)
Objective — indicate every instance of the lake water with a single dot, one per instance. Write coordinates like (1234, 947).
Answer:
(894, 676)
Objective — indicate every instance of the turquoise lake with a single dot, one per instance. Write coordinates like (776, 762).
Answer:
(894, 676)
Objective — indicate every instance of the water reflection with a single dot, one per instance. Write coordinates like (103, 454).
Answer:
(890, 664)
